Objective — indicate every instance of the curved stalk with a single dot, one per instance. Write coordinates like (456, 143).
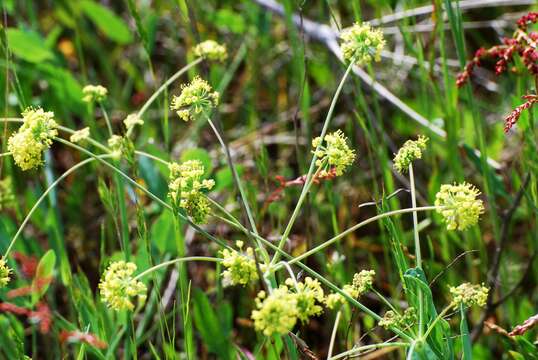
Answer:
(434, 322)
(144, 190)
(333, 335)
(357, 226)
(309, 177)
(176, 261)
(239, 185)
(44, 195)
(167, 83)
(107, 119)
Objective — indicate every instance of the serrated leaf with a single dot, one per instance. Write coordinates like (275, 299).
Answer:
(28, 45)
(109, 23)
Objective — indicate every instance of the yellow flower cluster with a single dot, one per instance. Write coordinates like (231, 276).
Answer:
(392, 319)
(469, 294)
(80, 135)
(131, 121)
(335, 154)
(94, 93)
(409, 152)
(7, 198)
(459, 205)
(211, 50)
(195, 100)
(5, 271)
(33, 137)
(118, 286)
(278, 313)
(362, 282)
(186, 186)
(240, 268)
(362, 43)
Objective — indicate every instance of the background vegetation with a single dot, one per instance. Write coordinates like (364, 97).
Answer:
(275, 91)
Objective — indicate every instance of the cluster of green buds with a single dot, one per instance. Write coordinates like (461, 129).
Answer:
(392, 319)
(118, 286)
(240, 267)
(334, 154)
(211, 50)
(186, 189)
(7, 197)
(362, 283)
(469, 294)
(278, 313)
(409, 152)
(362, 43)
(94, 93)
(33, 137)
(197, 99)
(5, 271)
(459, 205)
(80, 135)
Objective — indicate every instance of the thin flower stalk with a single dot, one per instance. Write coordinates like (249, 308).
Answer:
(309, 175)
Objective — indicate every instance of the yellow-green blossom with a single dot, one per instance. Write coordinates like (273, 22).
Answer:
(309, 295)
(33, 138)
(459, 205)
(196, 100)
(94, 93)
(363, 281)
(334, 154)
(211, 50)
(469, 294)
(362, 43)
(276, 313)
(5, 271)
(118, 286)
(240, 268)
(391, 319)
(131, 121)
(80, 135)
(186, 188)
(7, 198)
(410, 151)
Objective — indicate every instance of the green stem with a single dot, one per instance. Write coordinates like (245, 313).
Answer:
(107, 119)
(358, 350)
(308, 181)
(238, 184)
(357, 226)
(167, 83)
(417, 249)
(5, 154)
(385, 300)
(175, 261)
(333, 335)
(44, 195)
(316, 275)
(434, 322)
(144, 190)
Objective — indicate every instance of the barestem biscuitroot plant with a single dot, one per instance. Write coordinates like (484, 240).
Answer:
(281, 305)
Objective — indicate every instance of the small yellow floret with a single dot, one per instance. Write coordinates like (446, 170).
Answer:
(118, 286)
(335, 154)
(410, 151)
(211, 50)
(94, 93)
(80, 135)
(5, 271)
(459, 205)
(196, 100)
(469, 294)
(362, 43)
(240, 268)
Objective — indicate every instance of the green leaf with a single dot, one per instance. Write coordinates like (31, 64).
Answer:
(226, 19)
(198, 154)
(108, 22)
(465, 338)
(215, 336)
(162, 233)
(43, 275)
(28, 45)
(224, 177)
